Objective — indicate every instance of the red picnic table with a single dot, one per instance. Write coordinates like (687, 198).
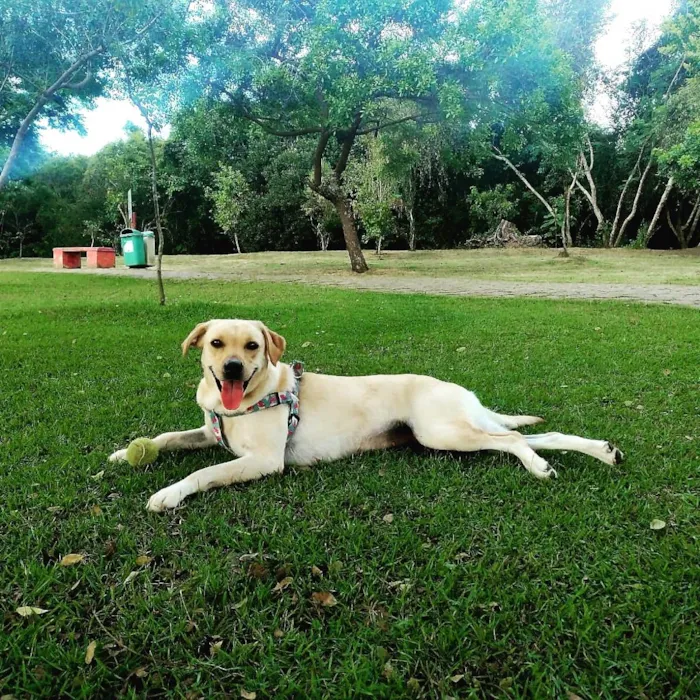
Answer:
(69, 258)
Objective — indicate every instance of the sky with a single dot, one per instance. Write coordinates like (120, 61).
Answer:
(106, 122)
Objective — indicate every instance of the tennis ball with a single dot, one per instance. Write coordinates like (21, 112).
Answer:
(141, 451)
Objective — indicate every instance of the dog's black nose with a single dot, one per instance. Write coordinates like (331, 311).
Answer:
(233, 370)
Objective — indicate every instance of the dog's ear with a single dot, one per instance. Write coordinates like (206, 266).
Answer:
(194, 339)
(275, 344)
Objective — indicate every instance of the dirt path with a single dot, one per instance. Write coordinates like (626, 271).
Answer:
(684, 295)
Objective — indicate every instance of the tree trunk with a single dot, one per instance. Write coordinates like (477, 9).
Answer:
(566, 224)
(236, 243)
(379, 245)
(352, 240)
(635, 204)
(678, 231)
(621, 198)
(156, 209)
(659, 209)
(411, 228)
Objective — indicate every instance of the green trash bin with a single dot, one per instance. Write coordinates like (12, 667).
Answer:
(133, 248)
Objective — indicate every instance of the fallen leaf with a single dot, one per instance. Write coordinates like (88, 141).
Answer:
(381, 472)
(597, 328)
(640, 407)
(572, 696)
(215, 646)
(284, 583)
(54, 509)
(71, 559)
(315, 571)
(324, 598)
(131, 577)
(248, 557)
(335, 567)
(278, 633)
(457, 678)
(413, 685)
(96, 510)
(248, 694)
(388, 518)
(667, 372)
(306, 344)
(657, 524)
(141, 672)
(28, 611)
(388, 671)
(98, 476)
(258, 570)
(629, 403)
(462, 349)
(166, 375)
(143, 560)
(90, 653)
(240, 604)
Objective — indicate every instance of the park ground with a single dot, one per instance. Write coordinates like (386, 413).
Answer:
(535, 265)
(452, 576)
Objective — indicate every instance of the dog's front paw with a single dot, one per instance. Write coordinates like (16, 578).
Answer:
(169, 497)
(118, 456)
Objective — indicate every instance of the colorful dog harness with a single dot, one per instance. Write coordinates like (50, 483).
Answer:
(276, 398)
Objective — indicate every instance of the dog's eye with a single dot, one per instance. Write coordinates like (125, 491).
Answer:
(252, 345)
(216, 343)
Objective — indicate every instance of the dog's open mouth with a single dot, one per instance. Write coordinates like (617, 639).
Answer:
(232, 393)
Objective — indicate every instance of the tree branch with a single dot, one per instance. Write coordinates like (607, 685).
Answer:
(499, 156)
(347, 138)
(318, 156)
(287, 133)
(412, 117)
(80, 84)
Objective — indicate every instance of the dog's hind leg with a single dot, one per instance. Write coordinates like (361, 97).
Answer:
(600, 449)
(183, 440)
(461, 436)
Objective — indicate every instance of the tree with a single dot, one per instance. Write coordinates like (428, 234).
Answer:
(340, 69)
(322, 216)
(56, 54)
(229, 198)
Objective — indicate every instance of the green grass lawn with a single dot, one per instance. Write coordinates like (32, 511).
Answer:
(592, 265)
(487, 583)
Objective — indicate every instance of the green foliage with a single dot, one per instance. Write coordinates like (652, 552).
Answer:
(492, 205)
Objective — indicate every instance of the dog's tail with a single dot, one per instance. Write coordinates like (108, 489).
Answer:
(513, 422)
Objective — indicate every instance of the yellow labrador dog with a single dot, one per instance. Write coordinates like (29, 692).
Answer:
(268, 414)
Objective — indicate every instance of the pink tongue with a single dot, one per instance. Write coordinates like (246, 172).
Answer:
(231, 395)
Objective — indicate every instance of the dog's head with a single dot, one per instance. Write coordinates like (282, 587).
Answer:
(236, 355)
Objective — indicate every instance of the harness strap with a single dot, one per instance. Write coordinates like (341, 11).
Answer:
(276, 398)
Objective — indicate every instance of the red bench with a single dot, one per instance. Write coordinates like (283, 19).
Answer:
(69, 258)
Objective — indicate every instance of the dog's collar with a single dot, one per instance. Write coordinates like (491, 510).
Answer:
(276, 398)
